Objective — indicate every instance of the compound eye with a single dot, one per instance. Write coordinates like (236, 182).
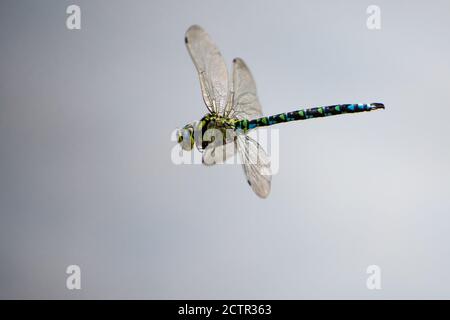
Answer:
(187, 139)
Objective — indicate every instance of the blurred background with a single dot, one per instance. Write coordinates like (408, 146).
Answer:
(86, 176)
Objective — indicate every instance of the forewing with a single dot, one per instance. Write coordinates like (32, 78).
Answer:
(211, 68)
(245, 103)
(256, 165)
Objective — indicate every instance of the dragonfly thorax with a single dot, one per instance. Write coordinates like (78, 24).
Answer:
(214, 129)
(211, 128)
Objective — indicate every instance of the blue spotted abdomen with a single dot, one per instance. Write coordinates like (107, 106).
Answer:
(304, 114)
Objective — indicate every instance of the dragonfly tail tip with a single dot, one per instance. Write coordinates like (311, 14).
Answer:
(377, 105)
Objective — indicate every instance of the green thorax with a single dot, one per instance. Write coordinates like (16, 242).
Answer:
(213, 124)
(214, 121)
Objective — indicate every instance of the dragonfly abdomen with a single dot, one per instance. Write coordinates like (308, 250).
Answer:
(304, 114)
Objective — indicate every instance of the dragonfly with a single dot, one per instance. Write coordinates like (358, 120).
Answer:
(234, 111)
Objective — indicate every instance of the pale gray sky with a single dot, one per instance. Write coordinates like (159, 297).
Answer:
(87, 179)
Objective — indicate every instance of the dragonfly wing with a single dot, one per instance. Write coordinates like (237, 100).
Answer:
(256, 165)
(221, 146)
(218, 154)
(211, 68)
(245, 103)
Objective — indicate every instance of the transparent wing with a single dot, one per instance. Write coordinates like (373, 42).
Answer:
(256, 165)
(221, 148)
(244, 99)
(218, 154)
(211, 68)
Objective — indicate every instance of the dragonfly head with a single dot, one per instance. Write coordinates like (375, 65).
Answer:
(185, 137)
